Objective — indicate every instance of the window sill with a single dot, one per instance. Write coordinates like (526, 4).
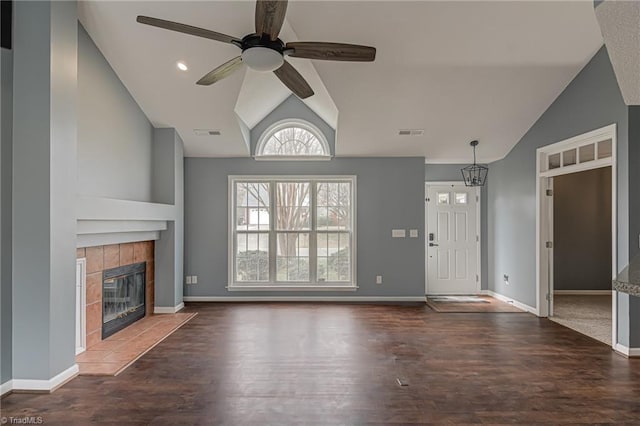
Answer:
(291, 288)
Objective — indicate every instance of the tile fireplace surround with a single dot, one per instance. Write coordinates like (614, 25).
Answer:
(101, 258)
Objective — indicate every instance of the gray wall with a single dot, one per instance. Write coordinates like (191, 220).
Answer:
(582, 230)
(114, 135)
(6, 118)
(452, 173)
(168, 188)
(292, 107)
(634, 181)
(634, 216)
(44, 188)
(390, 194)
(592, 100)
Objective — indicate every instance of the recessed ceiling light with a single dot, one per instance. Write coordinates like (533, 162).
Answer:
(182, 66)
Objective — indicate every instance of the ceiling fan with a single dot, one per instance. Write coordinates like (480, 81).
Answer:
(264, 51)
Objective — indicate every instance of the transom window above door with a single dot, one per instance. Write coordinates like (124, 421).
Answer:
(292, 139)
(293, 232)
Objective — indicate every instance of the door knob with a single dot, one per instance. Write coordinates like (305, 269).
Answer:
(433, 245)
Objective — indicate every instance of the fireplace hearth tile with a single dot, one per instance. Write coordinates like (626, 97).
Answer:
(124, 347)
(100, 368)
(92, 356)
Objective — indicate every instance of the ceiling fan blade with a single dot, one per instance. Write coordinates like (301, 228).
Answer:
(331, 51)
(221, 72)
(187, 29)
(293, 80)
(270, 17)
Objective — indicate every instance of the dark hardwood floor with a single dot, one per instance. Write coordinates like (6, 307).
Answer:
(339, 364)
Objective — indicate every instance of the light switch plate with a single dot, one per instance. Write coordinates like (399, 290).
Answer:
(398, 233)
(188, 279)
(413, 233)
(194, 279)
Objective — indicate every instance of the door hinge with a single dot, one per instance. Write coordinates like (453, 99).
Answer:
(548, 244)
(549, 192)
(427, 199)
(548, 297)
(477, 238)
(477, 198)
(477, 278)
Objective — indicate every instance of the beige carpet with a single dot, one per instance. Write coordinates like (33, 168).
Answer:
(589, 315)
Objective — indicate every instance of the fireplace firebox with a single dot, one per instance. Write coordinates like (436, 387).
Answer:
(123, 297)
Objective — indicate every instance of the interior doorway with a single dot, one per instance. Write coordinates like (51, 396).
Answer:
(581, 282)
(575, 250)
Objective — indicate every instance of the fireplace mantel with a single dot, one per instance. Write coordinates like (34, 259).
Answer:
(103, 221)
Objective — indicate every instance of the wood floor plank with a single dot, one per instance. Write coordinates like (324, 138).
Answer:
(303, 363)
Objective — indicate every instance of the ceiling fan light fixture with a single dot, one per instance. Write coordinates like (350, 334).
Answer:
(262, 59)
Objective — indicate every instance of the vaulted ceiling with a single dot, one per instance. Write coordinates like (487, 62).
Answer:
(459, 70)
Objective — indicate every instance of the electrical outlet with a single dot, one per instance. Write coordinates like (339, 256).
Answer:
(378, 279)
(194, 279)
(188, 280)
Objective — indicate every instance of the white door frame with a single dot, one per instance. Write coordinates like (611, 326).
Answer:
(544, 219)
(427, 184)
(82, 264)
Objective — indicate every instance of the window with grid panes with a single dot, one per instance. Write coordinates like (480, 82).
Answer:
(294, 232)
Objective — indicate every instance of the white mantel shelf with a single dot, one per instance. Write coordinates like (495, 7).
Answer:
(104, 221)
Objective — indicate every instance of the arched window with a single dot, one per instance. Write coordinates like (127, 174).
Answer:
(292, 139)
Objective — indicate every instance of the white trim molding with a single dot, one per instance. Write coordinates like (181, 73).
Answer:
(544, 218)
(313, 283)
(583, 292)
(511, 301)
(6, 387)
(628, 352)
(168, 309)
(45, 385)
(347, 299)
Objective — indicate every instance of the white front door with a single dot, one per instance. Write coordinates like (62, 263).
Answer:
(452, 239)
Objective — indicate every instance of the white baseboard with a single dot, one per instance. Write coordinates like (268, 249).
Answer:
(6, 387)
(511, 301)
(45, 385)
(582, 292)
(305, 299)
(168, 309)
(628, 352)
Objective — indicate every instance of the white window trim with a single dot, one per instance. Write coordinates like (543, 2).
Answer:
(232, 285)
(292, 122)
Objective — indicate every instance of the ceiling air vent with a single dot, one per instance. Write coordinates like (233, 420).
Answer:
(411, 132)
(207, 132)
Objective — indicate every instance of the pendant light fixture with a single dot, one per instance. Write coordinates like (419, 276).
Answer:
(474, 174)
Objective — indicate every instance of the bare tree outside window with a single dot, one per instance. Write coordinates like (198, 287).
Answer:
(292, 141)
(286, 206)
